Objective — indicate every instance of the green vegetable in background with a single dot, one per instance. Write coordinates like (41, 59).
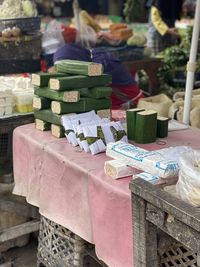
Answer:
(137, 39)
(29, 8)
(172, 74)
(132, 10)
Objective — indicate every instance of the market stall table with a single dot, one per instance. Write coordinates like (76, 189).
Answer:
(71, 189)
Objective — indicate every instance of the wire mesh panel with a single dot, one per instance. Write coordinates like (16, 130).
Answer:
(5, 146)
(58, 246)
(7, 126)
(178, 255)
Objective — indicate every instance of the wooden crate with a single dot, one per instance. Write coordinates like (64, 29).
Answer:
(156, 213)
(20, 48)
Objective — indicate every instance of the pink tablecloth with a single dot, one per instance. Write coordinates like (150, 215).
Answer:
(70, 188)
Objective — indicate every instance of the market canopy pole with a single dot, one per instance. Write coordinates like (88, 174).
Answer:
(191, 66)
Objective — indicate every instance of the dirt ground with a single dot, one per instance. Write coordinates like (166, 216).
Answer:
(23, 257)
(27, 256)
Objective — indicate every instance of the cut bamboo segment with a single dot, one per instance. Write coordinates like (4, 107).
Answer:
(162, 127)
(131, 122)
(41, 102)
(104, 113)
(85, 104)
(146, 127)
(100, 92)
(94, 92)
(58, 95)
(79, 67)
(42, 125)
(79, 81)
(42, 79)
(71, 96)
(57, 131)
(48, 116)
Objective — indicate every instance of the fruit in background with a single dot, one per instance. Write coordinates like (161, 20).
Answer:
(16, 32)
(137, 39)
(11, 32)
(89, 21)
(11, 9)
(117, 26)
(120, 31)
(29, 8)
(122, 34)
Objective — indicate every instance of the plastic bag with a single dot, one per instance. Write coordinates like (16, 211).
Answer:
(174, 152)
(52, 38)
(188, 186)
(86, 35)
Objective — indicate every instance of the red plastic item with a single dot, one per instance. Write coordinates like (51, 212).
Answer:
(69, 33)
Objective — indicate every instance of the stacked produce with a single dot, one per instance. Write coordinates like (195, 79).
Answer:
(20, 37)
(75, 87)
(11, 9)
(143, 126)
(120, 31)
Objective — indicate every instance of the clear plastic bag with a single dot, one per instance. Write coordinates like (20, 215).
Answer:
(52, 38)
(86, 35)
(188, 186)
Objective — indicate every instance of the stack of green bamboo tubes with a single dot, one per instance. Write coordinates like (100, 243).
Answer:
(74, 87)
(144, 126)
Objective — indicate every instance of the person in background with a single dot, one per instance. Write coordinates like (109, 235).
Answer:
(162, 16)
(189, 8)
(63, 8)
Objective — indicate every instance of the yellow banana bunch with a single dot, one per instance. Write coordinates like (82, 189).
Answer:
(89, 20)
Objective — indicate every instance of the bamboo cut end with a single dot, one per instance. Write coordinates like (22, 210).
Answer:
(35, 79)
(95, 70)
(39, 124)
(54, 84)
(56, 107)
(56, 131)
(37, 104)
(104, 113)
(72, 96)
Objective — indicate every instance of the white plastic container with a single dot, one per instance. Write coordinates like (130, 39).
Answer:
(23, 101)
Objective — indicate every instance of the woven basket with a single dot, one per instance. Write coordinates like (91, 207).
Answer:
(59, 247)
(178, 255)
